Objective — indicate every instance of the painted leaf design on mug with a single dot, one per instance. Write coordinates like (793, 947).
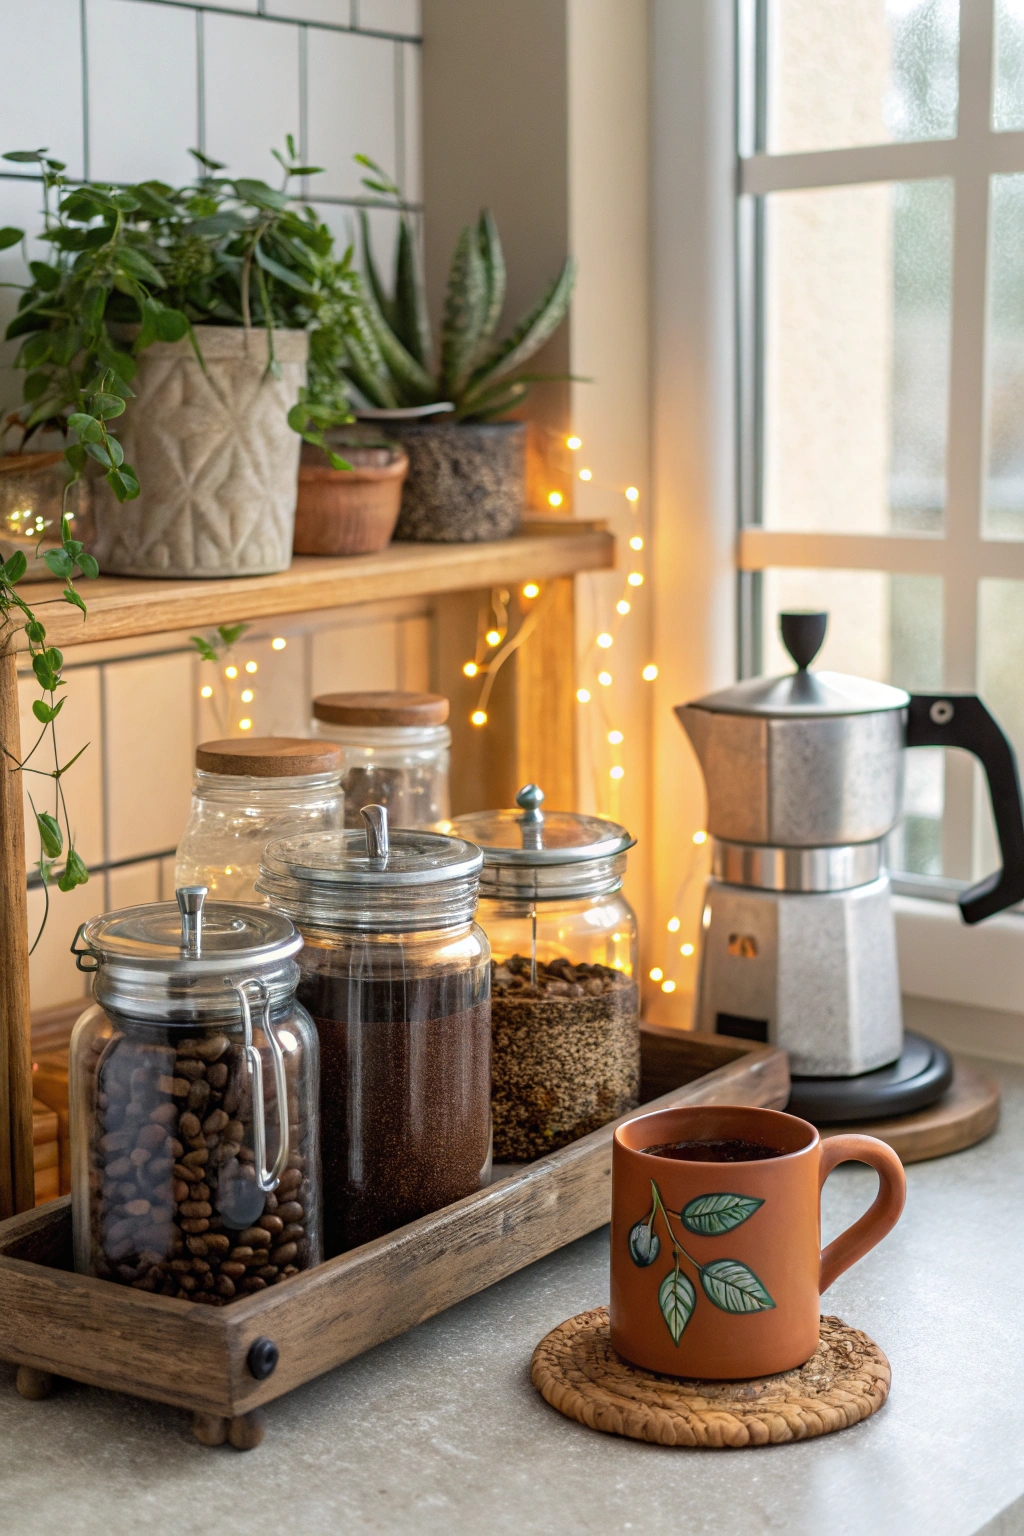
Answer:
(677, 1299)
(644, 1243)
(711, 1215)
(733, 1287)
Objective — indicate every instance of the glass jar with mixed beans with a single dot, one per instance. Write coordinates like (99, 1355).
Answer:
(193, 1096)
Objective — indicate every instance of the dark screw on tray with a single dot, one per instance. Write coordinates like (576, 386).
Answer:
(262, 1358)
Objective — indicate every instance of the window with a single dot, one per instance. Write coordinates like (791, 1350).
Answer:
(881, 322)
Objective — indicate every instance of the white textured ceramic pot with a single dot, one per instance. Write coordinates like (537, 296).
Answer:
(216, 459)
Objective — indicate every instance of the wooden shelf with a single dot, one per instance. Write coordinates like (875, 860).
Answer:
(123, 606)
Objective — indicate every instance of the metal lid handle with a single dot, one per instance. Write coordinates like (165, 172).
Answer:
(378, 842)
(190, 900)
(266, 1178)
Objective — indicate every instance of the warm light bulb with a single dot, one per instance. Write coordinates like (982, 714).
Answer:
(635, 579)
(479, 717)
(470, 669)
(604, 641)
(617, 772)
(583, 695)
(632, 494)
(700, 837)
(493, 637)
(605, 679)
(668, 986)
(686, 949)
(636, 542)
(554, 498)
(206, 693)
(586, 474)
(250, 666)
(230, 671)
(278, 644)
(574, 443)
(622, 606)
(531, 589)
(247, 695)
(649, 672)
(615, 737)
(657, 973)
(673, 925)
(245, 725)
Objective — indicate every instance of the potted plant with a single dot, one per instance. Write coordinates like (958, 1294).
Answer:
(351, 511)
(467, 469)
(204, 317)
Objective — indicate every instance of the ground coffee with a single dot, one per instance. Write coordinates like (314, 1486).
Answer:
(725, 1149)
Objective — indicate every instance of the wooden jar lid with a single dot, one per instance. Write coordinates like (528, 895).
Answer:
(268, 757)
(381, 708)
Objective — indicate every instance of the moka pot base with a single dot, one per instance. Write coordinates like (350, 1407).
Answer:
(919, 1076)
(965, 1114)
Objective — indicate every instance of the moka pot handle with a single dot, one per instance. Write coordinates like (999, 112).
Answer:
(961, 720)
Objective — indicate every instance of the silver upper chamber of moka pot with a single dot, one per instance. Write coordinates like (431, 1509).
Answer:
(804, 778)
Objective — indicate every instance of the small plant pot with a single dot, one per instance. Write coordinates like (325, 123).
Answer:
(349, 511)
(466, 482)
(216, 459)
(32, 489)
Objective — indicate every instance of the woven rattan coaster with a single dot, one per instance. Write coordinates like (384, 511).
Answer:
(576, 1370)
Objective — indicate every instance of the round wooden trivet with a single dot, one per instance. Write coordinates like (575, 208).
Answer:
(576, 1370)
(967, 1112)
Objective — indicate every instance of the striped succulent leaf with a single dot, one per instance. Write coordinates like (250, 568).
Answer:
(529, 335)
(411, 325)
(412, 383)
(465, 310)
(384, 303)
(494, 272)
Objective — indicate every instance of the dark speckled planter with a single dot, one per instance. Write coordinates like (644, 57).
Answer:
(466, 481)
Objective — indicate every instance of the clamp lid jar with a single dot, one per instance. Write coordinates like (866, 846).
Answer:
(564, 998)
(194, 1081)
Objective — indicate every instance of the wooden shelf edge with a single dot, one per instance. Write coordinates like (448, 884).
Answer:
(121, 607)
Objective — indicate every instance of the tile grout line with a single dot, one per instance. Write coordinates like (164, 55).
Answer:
(399, 92)
(200, 83)
(83, 24)
(304, 104)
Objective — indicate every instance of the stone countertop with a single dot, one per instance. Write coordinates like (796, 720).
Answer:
(440, 1431)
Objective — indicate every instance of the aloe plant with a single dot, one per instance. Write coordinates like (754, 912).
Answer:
(388, 356)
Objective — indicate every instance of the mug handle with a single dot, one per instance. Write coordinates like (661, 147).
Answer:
(883, 1214)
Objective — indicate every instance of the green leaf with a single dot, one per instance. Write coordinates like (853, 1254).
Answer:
(15, 568)
(50, 835)
(204, 648)
(384, 303)
(25, 156)
(733, 1287)
(644, 1244)
(229, 633)
(10, 236)
(677, 1299)
(59, 562)
(113, 453)
(123, 482)
(411, 324)
(88, 428)
(532, 331)
(125, 201)
(171, 324)
(276, 269)
(71, 596)
(45, 713)
(494, 269)
(465, 310)
(34, 631)
(260, 195)
(46, 277)
(135, 264)
(106, 406)
(94, 302)
(711, 1215)
(75, 873)
(88, 565)
(76, 456)
(204, 160)
(36, 384)
(414, 382)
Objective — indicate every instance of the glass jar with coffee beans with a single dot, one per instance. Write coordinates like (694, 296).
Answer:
(193, 1097)
(396, 975)
(565, 1005)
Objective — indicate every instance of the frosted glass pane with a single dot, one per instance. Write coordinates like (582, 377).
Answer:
(1008, 113)
(856, 367)
(845, 72)
(888, 628)
(1003, 516)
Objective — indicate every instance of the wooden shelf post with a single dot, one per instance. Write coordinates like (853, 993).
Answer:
(17, 1175)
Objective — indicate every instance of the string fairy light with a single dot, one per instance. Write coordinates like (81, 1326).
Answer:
(531, 590)
(574, 443)
(278, 643)
(586, 474)
(555, 498)
(206, 692)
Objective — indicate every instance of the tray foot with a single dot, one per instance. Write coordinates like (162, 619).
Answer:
(33, 1384)
(246, 1432)
(209, 1428)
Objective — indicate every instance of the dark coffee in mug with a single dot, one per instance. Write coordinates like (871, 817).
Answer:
(709, 1149)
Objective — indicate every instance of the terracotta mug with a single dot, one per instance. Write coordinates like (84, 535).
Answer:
(716, 1268)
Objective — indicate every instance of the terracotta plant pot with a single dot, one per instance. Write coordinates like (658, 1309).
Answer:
(467, 480)
(215, 456)
(349, 511)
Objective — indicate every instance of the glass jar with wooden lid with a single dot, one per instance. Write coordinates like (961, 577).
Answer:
(396, 751)
(246, 791)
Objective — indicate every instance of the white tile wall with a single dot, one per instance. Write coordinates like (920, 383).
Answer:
(143, 57)
(251, 72)
(355, 657)
(148, 753)
(336, 12)
(390, 15)
(52, 974)
(359, 118)
(78, 725)
(41, 102)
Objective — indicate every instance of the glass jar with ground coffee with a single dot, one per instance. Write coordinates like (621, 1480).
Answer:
(397, 977)
(565, 1005)
(246, 791)
(396, 749)
(193, 1096)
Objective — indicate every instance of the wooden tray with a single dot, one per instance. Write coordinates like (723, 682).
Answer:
(55, 1322)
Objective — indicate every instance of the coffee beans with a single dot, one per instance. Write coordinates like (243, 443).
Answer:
(172, 1124)
(565, 1053)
